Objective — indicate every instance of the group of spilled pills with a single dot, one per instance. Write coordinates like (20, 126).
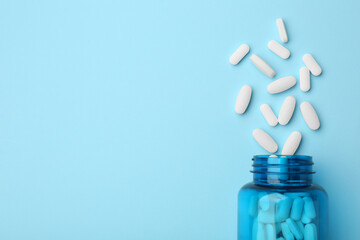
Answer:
(280, 85)
(283, 216)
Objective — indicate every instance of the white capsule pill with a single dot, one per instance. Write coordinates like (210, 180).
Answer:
(279, 49)
(239, 54)
(305, 219)
(267, 202)
(243, 99)
(310, 116)
(281, 85)
(265, 140)
(261, 232)
(286, 232)
(297, 210)
(294, 228)
(304, 79)
(287, 110)
(310, 232)
(282, 30)
(292, 144)
(262, 65)
(312, 65)
(268, 115)
(270, 231)
(283, 209)
(267, 217)
(309, 207)
(264, 202)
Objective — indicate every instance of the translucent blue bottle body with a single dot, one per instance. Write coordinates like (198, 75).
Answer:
(282, 202)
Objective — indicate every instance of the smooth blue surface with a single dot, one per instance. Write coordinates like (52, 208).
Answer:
(117, 117)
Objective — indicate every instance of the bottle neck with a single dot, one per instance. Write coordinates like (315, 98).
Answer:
(282, 170)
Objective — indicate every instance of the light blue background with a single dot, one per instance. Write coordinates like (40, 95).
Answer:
(117, 117)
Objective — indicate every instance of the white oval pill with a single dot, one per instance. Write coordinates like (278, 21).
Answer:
(239, 54)
(265, 140)
(279, 49)
(282, 30)
(282, 84)
(243, 99)
(292, 143)
(310, 232)
(287, 110)
(312, 65)
(310, 116)
(304, 79)
(268, 115)
(262, 65)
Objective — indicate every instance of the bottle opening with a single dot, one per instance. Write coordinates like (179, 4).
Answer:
(282, 170)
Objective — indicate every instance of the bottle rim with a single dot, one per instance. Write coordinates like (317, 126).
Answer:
(282, 169)
(281, 160)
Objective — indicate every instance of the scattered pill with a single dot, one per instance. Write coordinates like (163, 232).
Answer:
(304, 79)
(281, 85)
(279, 49)
(310, 232)
(286, 231)
(268, 115)
(312, 65)
(265, 140)
(309, 207)
(292, 144)
(282, 30)
(287, 110)
(239, 54)
(243, 99)
(294, 228)
(297, 209)
(262, 66)
(310, 116)
(289, 215)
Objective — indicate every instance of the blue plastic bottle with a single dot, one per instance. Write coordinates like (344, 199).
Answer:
(282, 202)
